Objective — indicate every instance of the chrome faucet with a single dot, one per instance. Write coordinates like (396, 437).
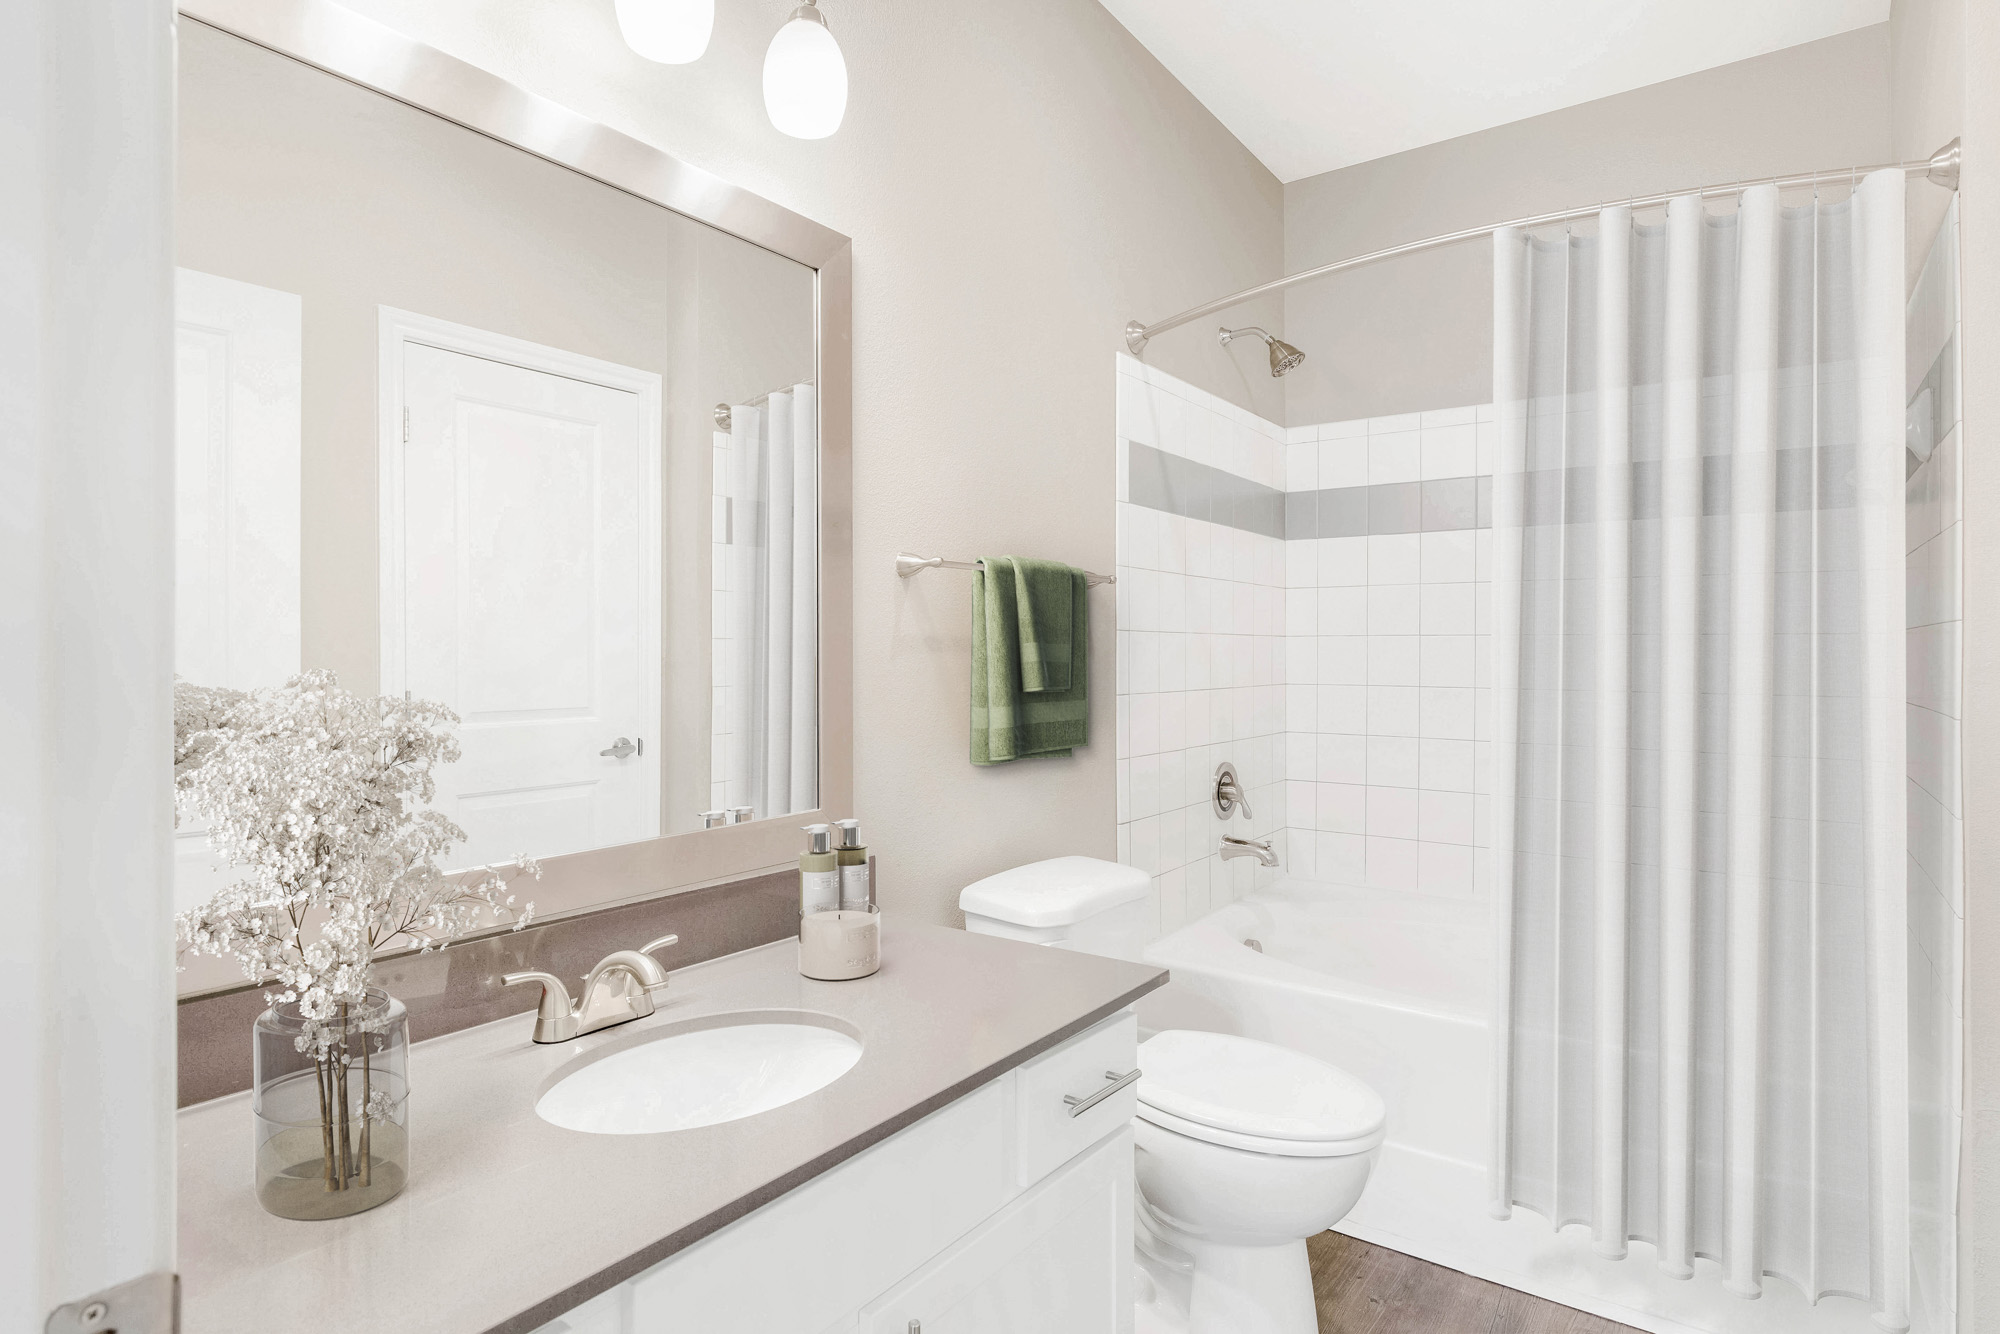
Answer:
(622, 987)
(1260, 848)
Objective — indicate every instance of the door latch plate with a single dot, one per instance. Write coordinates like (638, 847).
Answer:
(148, 1304)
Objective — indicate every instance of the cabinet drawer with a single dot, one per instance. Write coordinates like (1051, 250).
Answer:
(1051, 1131)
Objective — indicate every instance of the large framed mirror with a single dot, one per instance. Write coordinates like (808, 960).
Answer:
(483, 403)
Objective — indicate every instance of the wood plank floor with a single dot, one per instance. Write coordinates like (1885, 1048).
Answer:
(1364, 1289)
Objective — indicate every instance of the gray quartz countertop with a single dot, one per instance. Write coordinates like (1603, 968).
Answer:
(508, 1221)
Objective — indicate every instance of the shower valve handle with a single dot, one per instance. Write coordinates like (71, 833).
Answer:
(1229, 793)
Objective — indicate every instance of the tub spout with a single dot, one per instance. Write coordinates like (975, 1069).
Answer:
(1260, 848)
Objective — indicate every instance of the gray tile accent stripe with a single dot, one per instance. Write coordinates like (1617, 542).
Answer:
(1163, 481)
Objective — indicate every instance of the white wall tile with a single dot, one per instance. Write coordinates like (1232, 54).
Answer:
(1392, 610)
(1343, 611)
(1396, 456)
(1343, 710)
(1395, 761)
(1446, 765)
(1446, 869)
(1343, 561)
(1393, 812)
(1448, 609)
(1341, 676)
(1395, 559)
(1392, 863)
(1446, 817)
(1302, 466)
(1449, 660)
(1449, 450)
(1343, 660)
(1343, 858)
(1341, 808)
(1393, 660)
(1343, 462)
(1448, 558)
(1449, 712)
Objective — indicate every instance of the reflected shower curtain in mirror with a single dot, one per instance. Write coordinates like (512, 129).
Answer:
(768, 651)
(1698, 764)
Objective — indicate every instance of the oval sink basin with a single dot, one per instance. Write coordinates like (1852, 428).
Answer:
(699, 1078)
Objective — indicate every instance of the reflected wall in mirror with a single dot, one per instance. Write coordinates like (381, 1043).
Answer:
(450, 424)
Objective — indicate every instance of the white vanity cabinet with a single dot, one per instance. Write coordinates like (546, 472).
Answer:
(999, 1213)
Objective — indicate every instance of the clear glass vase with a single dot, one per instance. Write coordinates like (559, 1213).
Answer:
(331, 1104)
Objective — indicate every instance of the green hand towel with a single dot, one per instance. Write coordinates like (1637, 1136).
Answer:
(1044, 593)
(1030, 660)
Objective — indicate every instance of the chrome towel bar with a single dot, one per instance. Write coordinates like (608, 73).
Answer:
(909, 563)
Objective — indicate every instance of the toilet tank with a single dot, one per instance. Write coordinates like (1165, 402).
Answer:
(1076, 903)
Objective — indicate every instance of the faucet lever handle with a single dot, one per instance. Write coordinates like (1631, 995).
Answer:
(659, 944)
(555, 1018)
(552, 986)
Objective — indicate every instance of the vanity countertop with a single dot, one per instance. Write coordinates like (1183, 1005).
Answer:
(509, 1221)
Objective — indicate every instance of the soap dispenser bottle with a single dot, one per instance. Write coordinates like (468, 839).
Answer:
(819, 872)
(856, 889)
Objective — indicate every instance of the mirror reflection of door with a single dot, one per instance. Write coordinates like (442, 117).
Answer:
(238, 378)
(520, 560)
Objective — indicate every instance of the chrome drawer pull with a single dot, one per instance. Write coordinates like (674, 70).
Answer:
(1078, 1106)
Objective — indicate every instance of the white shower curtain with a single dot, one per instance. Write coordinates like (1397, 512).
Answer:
(1698, 762)
(774, 669)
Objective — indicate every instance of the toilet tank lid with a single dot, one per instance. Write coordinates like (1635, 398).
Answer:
(1254, 1088)
(1058, 892)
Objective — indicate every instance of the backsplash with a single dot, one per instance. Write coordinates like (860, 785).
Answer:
(1309, 604)
(459, 986)
(1385, 632)
(1201, 608)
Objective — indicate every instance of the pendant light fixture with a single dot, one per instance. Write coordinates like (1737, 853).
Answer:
(805, 78)
(673, 32)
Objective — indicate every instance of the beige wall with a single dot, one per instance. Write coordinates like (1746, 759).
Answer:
(1416, 333)
(292, 179)
(1019, 180)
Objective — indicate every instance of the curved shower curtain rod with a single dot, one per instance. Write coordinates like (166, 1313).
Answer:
(1941, 168)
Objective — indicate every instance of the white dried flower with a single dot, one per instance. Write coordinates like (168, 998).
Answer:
(322, 798)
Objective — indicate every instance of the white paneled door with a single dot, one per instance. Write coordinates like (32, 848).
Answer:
(520, 582)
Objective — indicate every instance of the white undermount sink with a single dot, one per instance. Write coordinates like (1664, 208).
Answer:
(700, 1077)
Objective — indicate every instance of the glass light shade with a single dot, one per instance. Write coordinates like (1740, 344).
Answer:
(672, 32)
(805, 80)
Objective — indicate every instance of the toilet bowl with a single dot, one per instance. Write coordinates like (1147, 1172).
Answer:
(1243, 1148)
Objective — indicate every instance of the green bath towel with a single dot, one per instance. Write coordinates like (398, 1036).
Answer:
(1030, 660)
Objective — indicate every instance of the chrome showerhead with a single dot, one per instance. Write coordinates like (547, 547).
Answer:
(1284, 356)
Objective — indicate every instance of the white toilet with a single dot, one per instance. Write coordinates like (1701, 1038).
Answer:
(1245, 1148)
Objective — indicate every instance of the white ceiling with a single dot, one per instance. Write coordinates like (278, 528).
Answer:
(1313, 85)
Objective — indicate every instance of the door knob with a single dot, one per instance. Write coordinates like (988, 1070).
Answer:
(624, 746)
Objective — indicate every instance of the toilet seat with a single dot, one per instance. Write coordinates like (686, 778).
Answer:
(1277, 1148)
(1257, 1096)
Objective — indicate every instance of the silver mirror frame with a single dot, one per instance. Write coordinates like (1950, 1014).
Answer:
(362, 51)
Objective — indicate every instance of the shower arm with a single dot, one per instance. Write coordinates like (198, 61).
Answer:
(1940, 168)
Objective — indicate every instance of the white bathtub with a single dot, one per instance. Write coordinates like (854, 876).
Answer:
(1396, 988)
